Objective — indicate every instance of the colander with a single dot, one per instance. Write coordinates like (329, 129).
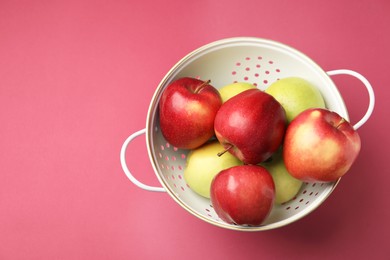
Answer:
(240, 59)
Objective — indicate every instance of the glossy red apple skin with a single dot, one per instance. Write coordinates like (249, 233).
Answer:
(320, 146)
(243, 195)
(253, 124)
(187, 109)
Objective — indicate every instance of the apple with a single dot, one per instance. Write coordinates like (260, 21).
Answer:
(233, 89)
(187, 109)
(203, 164)
(250, 125)
(286, 186)
(243, 195)
(295, 94)
(320, 146)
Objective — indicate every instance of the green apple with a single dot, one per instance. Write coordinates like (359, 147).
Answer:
(203, 164)
(233, 89)
(295, 95)
(286, 186)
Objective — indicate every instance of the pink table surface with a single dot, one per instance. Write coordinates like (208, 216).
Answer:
(76, 78)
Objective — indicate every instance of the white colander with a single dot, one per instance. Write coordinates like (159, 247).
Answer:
(243, 59)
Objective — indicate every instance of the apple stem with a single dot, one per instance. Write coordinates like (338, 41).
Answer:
(341, 121)
(224, 151)
(199, 88)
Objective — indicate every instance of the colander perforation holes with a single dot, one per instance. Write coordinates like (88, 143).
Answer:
(171, 160)
(308, 194)
(208, 213)
(258, 71)
(211, 213)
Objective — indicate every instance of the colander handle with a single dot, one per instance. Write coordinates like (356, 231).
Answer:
(126, 169)
(368, 87)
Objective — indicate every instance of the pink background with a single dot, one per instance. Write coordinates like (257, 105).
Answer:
(76, 78)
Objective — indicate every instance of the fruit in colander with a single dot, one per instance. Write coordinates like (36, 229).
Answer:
(251, 126)
(320, 146)
(243, 195)
(295, 94)
(233, 89)
(187, 109)
(286, 186)
(203, 164)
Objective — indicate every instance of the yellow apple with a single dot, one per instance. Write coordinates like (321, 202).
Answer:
(203, 164)
(233, 89)
(295, 94)
(286, 186)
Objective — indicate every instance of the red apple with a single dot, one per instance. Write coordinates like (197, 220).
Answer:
(187, 109)
(243, 195)
(320, 146)
(251, 125)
